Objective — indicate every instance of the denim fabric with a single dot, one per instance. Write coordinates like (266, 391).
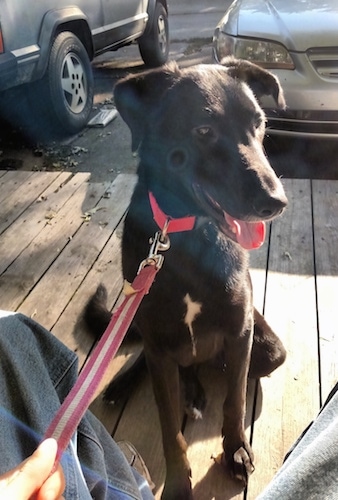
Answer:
(36, 373)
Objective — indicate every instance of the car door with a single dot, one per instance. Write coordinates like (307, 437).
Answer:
(123, 19)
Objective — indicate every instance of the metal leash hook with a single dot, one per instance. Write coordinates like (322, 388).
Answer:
(158, 243)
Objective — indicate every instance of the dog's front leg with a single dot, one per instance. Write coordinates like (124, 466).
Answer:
(165, 379)
(238, 455)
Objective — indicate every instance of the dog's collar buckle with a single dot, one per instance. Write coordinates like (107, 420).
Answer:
(168, 224)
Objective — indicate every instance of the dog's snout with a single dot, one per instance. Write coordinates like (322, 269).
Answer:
(268, 207)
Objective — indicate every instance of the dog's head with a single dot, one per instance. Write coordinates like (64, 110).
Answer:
(199, 133)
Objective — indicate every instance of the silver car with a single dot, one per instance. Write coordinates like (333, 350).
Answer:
(46, 48)
(298, 41)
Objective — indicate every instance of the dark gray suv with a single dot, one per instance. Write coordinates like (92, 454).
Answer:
(46, 48)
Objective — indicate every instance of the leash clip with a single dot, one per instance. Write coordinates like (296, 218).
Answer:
(158, 243)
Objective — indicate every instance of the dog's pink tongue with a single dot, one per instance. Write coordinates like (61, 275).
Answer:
(249, 235)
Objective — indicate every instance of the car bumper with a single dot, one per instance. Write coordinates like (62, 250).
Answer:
(17, 67)
(303, 124)
(311, 96)
(8, 70)
(311, 99)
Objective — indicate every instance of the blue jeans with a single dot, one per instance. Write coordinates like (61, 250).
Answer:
(36, 373)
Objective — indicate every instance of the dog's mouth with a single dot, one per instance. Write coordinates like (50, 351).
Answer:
(250, 235)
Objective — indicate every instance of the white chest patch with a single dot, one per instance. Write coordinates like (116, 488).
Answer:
(193, 310)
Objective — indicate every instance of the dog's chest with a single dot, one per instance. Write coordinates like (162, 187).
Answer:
(188, 311)
(197, 343)
(193, 310)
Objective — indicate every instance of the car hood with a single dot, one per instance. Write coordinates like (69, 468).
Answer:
(297, 24)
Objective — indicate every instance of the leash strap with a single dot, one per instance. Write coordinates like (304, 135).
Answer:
(69, 415)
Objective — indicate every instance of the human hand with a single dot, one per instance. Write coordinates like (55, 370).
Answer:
(33, 479)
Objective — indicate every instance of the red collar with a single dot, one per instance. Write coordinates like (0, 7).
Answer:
(173, 225)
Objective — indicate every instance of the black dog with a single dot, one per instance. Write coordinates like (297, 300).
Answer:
(199, 134)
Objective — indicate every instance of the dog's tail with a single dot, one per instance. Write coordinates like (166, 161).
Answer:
(97, 317)
(96, 313)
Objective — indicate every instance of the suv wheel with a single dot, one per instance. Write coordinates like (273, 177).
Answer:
(154, 46)
(68, 86)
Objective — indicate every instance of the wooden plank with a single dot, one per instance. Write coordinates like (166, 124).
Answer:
(140, 425)
(106, 268)
(25, 272)
(58, 285)
(110, 414)
(290, 395)
(69, 328)
(24, 229)
(23, 194)
(325, 211)
(11, 180)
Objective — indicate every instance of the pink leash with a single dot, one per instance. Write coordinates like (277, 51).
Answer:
(70, 413)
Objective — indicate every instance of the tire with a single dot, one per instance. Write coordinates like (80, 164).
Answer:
(68, 85)
(154, 46)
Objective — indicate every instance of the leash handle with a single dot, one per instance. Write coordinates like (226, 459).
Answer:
(70, 413)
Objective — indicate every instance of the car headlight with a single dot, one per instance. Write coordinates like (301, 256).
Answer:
(270, 55)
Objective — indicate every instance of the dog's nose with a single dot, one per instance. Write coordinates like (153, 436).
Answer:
(268, 207)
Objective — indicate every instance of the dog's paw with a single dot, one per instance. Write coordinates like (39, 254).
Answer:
(193, 412)
(239, 462)
(177, 490)
(242, 465)
(194, 407)
(178, 484)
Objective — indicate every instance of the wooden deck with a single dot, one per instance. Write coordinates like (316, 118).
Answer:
(60, 237)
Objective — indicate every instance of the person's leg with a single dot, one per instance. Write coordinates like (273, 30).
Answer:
(91, 433)
(36, 373)
(32, 381)
(310, 470)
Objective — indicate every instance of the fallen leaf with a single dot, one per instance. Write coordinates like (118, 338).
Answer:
(87, 215)
(50, 215)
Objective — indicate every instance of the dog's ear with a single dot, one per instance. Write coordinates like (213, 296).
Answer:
(261, 81)
(137, 95)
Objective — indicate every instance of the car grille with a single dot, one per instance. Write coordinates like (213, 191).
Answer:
(324, 123)
(325, 61)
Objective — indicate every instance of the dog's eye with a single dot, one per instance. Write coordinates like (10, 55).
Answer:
(205, 132)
